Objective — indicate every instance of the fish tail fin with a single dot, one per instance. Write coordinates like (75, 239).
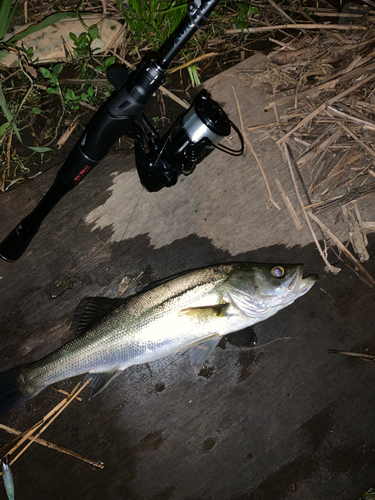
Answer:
(12, 391)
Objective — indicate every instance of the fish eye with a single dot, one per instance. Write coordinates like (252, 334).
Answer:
(277, 271)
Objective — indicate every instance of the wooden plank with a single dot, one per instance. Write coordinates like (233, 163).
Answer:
(285, 420)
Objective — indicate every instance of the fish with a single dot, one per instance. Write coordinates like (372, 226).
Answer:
(191, 310)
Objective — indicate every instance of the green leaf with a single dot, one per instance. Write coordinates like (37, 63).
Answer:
(3, 128)
(70, 94)
(3, 53)
(53, 18)
(90, 91)
(36, 111)
(84, 97)
(57, 69)
(73, 37)
(45, 72)
(51, 90)
(93, 32)
(42, 149)
(109, 61)
(82, 40)
(252, 10)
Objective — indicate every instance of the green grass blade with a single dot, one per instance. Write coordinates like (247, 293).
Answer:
(41, 149)
(3, 128)
(194, 77)
(5, 10)
(7, 112)
(182, 8)
(10, 17)
(33, 28)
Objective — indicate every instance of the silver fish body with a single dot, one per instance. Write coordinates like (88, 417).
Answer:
(193, 310)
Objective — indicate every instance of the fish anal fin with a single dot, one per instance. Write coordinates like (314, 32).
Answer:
(91, 310)
(99, 381)
(217, 310)
(200, 353)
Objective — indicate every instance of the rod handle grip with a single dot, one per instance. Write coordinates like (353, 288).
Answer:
(13, 246)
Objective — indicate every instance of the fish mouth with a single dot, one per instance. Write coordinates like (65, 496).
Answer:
(300, 285)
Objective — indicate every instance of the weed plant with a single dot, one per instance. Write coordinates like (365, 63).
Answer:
(369, 495)
(153, 20)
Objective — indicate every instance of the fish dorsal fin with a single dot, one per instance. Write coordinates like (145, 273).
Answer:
(215, 311)
(153, 285)
(90, 310)
(200, 353)
(99, 381)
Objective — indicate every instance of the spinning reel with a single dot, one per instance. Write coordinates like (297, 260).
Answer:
(191, 139)
(159, 160)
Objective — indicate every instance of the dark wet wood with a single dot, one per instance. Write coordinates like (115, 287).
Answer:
(286, 420)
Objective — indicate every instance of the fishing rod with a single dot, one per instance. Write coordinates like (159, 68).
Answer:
(159, 160)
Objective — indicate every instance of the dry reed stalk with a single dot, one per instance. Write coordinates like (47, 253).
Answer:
(365, 357)
(363, 273)
(51, 416)
(320, 108)
(248, 143)
(66, 393)
(26, 434)
(357, 237)
(289, 206)
(261, 29)
(354, 194)
(193, 61)
(363, 121)
(280, 10)
(53, 446)
(68, 132)
(267, 125)
(329, 84)
(331, 268)
(358, 140)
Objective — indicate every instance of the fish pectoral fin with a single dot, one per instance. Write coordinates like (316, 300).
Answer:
(99, 381)
(217, 310)
(90, 310)
(200, 353)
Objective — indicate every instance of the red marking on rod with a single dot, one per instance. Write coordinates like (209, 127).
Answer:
(83, 172)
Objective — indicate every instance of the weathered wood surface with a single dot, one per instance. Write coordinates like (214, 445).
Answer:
(286, 420)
